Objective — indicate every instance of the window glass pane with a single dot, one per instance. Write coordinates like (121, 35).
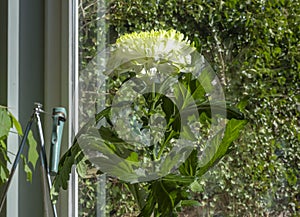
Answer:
(244, 46)
(99, 195)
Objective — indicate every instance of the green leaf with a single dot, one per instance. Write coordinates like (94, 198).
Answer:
(168, 107)
(104, 113)
(179, 93)
(73, 156)
(180, 179)
(195, 91)
(32, 151)
(187, 133)
(206, 77)
(4, 172)
(149, 206)
(190, 203)
(3, 149)
(5, 122)
(218, 146)
(139, 193)
(16, 124)
(82, 167)
(27, 169)
(133, 157)
(196, 187)
(163, 197)
(242, 104)
(160, 200)
(219, 108)
(189, 167)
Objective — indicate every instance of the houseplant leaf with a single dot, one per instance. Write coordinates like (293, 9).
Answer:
(5, 122)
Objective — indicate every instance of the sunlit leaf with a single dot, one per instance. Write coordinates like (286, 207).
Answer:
(17, 125)
(5, 122)
(32, 151)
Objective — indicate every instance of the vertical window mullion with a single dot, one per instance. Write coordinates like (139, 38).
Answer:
(13, 96)
(73, 96)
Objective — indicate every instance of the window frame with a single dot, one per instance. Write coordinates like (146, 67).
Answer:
(59, 83)
(61, 66)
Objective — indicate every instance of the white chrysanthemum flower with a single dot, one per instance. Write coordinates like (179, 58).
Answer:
(165, 52)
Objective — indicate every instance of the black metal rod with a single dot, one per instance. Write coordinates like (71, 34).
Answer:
(45, 168)
(17, 159)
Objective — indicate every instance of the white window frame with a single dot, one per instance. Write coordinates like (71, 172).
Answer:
(13, 96)
(61, 82)
(61, 67)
